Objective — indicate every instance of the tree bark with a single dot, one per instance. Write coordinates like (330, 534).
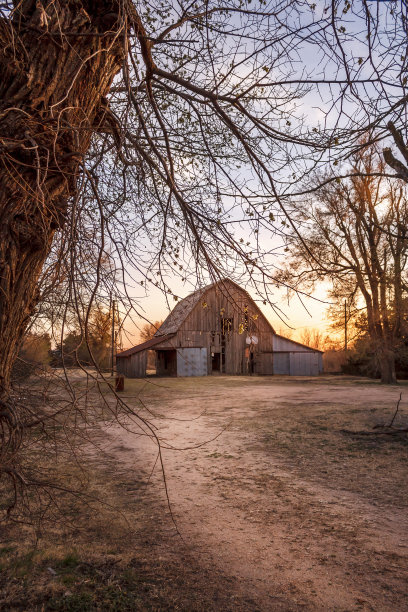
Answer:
(400, 168)
(57, 62)
(387, 366)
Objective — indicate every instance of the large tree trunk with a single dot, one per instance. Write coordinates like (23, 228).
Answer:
(57, 62)
(387, 366)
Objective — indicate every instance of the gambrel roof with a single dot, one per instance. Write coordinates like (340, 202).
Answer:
(181, 311)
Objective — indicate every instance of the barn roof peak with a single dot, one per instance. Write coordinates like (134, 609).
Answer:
(181, 311)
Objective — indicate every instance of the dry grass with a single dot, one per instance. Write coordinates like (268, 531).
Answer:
(112, 548)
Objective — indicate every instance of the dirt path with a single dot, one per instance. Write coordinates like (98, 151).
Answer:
(295, 534)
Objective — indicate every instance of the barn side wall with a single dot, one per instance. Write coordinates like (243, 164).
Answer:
(133, 366)
(294, 359)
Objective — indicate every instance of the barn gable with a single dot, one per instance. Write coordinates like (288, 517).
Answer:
(212, 302)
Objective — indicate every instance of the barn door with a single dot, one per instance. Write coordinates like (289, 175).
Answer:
(192, 362)
(304, 364)
(281, 363)
(264, 363)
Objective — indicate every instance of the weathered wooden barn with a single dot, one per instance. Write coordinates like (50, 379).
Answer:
(219, 330)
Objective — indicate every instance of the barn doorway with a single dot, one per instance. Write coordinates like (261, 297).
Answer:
(166, 364)
(215, 363)
(251, 365)
(151, 363)
(227, 326)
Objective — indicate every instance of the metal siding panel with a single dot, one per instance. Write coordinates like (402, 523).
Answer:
(315, 364)
(292, 366)
(192, 362)
(317, 358)
(304, 364)
(298, 365)
(281, 363)
(285, 344)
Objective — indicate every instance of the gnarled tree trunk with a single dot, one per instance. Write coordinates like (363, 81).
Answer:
(57, 62)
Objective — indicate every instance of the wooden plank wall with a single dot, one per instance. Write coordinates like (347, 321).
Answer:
(202, 328)
(264, 364)
(133, 366)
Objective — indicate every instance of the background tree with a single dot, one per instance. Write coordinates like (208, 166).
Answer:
(34, 352)
(146, 333)
(314, 338)
(362, 356)
(36, 348)
(93, 349)
(354, 234)
(148, 330)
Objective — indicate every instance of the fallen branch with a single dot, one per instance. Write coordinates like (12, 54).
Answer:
(396, 410)
(386, 432)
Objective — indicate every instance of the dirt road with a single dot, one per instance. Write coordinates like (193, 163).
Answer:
(303, 515)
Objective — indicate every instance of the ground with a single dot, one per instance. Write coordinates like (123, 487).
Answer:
(276, 507)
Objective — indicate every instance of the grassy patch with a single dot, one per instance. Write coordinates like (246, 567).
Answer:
(114, 555)
(316, 447)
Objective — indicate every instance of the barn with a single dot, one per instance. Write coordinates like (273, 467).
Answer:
(219, 330)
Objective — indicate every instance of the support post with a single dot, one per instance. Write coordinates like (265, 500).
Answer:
(345, 325)
(113, 340)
